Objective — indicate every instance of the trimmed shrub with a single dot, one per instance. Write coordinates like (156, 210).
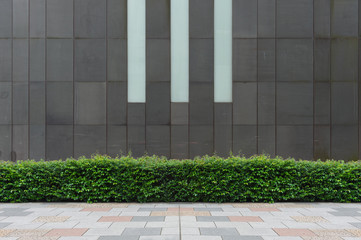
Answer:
(206, 179)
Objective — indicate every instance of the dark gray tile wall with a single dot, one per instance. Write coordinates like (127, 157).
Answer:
(296, 74)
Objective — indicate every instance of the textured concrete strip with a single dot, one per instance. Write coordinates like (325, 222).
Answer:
(293, 232)
(141, 231)
(67, 232)
(51, 219)
(195, 213)
(335, 232)
(219, 231)
(115, 219)
(245, 219)
(356, 232)
(171, 213)
(323, 238)
(148, 219)
(212, 219)
(5, 232)
(311, 219)
(208, 209)
(28, 233)
(38, 238)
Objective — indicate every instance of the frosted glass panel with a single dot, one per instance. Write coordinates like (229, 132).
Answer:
(179, 51)
(136, 51)
(223, 50)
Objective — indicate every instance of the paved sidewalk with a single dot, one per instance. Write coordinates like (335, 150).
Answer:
(168, 221)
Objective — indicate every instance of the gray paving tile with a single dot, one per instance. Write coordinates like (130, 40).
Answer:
(212, 219)
(4, 224)
(148, 219)
(168, 237)
(151, 209)
(14, 212)
(141, 231)
(242, 238)
(219, 231)
(356, 224)
(135, 237)
(352, 212)
(209, 209)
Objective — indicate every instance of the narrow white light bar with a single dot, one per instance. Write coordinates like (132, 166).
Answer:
(136, 51)
(179, 51)
(223, 50)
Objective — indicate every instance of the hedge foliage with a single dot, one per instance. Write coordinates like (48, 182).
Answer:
(206, 179)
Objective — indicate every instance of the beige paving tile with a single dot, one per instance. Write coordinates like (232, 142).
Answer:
(28, 233)
(323, 238)
(38, 238)
(333, 233)
(311, 219)
(355, 232)
(52, 219)
(156, 213)
(5, 232)
(195, 213)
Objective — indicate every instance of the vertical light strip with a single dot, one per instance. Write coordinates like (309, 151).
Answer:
(223, 50)
(179, 50)
(136, 51)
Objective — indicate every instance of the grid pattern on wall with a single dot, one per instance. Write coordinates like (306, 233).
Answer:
(296, 81)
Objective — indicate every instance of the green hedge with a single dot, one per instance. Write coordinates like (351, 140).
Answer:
(153, 179)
